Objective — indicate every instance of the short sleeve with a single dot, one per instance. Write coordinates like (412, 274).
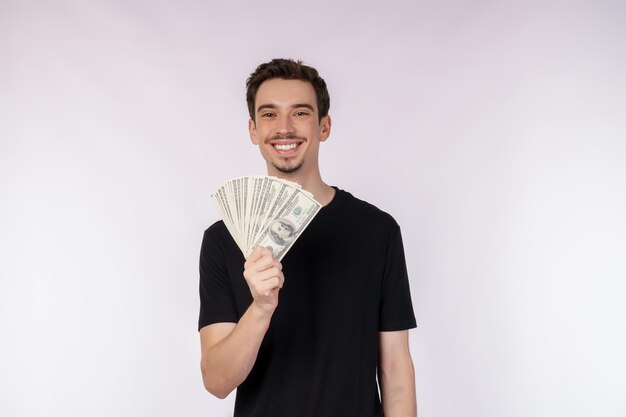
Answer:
(216, 294)
(396, 308)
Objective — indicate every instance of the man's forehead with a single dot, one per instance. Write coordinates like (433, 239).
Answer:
(285, 92)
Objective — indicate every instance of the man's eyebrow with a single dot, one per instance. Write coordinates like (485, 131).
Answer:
(265, 106)
(305, 105)
(294, 106)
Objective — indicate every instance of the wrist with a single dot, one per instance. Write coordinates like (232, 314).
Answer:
(261, 312)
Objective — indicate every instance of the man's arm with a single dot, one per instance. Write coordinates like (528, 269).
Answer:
(229, 350)
(396, 375)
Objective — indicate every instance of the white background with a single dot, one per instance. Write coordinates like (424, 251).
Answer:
(494, 132)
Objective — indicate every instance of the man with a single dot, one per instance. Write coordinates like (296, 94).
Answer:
(307, 337)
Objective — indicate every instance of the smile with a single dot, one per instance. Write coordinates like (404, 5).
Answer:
(285, 147)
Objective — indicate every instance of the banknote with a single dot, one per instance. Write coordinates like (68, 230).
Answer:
(265, 211)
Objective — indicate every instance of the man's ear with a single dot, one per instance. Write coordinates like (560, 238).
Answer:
(325, 125)
(252, 131)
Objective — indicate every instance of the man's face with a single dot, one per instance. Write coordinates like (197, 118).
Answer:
(287, 128)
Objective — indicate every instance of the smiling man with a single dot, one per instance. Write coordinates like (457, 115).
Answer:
(325, 333)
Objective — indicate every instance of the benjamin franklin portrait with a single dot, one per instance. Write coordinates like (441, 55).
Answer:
(282, 231)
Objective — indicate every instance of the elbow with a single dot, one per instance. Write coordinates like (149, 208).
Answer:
(219, 393)
(214, 387)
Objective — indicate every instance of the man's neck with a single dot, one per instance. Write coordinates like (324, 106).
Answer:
(322, 192)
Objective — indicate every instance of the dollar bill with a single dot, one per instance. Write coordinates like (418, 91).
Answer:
(288, 224)
(264, 211)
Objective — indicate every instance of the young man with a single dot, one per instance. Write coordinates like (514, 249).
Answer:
(310, 336)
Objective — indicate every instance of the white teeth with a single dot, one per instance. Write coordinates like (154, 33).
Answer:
(285, 147)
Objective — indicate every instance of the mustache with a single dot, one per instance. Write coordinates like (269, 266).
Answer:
(287, 136)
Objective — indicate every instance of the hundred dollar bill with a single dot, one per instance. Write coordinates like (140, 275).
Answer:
(219, 200)
(282, 231)
(278, 194)
(266, 211)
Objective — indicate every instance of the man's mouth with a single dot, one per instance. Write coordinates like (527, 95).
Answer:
(286, 148)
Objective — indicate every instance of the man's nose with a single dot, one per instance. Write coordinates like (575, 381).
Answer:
(285, 125)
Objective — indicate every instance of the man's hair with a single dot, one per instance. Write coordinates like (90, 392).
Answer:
(287, 69)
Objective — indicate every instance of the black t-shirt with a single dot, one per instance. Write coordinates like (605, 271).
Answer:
(345, 281)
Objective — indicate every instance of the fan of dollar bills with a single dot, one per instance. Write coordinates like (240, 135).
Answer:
(265, 211)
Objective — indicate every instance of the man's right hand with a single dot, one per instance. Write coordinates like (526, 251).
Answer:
(265, 278)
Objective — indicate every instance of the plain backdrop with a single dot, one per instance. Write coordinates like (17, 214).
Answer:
(493, 131)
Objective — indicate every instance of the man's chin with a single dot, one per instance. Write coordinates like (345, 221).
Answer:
(288, 169)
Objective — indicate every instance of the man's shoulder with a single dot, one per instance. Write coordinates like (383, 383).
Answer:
(366, 210)
(217, 230)
(218, 237)
(217, 242)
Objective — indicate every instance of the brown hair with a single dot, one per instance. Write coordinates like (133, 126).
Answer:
(287, 69)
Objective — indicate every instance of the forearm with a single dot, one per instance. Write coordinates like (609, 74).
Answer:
(396, 375)
(398, 393)
(227, 363)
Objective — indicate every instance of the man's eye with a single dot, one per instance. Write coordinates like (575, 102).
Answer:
(267, 115)
(302, 113)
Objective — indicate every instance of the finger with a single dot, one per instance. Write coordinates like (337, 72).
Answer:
(272, 263)
(268, 273)
(258, 253)
(266, 289)
(261, 264)
(259, 260)
(269, 285)
(281, 280)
